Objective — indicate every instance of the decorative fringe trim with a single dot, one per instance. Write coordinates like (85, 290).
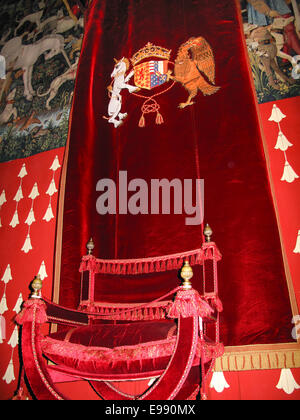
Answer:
(150, 265)
(189, 303)
(27, 313)
(281, 358)
(146, 313)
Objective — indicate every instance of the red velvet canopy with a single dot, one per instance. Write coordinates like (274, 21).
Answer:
(217, 139)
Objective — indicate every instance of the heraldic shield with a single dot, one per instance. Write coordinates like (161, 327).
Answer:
(194, 68)
(151, 74)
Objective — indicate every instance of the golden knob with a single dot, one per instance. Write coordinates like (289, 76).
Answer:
(207, 233)
(36, 285)
(90, 246)
(187, 274)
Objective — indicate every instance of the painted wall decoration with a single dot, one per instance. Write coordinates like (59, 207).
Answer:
(40, 43)
(289, 175)
(281, 127)
(271, 30)
(28, 207)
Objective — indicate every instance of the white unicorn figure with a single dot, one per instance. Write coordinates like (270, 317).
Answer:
(116, 117)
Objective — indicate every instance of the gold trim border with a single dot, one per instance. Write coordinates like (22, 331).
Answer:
(259, 357)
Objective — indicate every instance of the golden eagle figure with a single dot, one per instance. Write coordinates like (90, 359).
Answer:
(195, 59)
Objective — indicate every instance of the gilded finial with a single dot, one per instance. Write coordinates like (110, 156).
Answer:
(36, 285)
(207, 233)
(90, 246)
(186, 274)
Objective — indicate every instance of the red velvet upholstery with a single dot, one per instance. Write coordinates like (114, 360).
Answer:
(217, 139)
(121, 351)
(110, 336)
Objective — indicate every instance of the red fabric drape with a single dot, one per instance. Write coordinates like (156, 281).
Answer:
(217, 139)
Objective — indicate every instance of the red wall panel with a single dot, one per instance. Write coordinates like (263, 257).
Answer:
(24, 266)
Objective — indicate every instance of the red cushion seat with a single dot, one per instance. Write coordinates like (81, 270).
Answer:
(121, 334)
(121, 351)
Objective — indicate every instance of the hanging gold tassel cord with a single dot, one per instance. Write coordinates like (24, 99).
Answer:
(150, 106)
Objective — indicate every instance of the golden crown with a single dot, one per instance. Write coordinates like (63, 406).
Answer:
(150, 50)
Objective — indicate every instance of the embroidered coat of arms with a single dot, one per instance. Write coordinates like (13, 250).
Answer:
(194, 68)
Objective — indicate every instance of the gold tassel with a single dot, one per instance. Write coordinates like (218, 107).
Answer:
(159, 118)
(142, 121)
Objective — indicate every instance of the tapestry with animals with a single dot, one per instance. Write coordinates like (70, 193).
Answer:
(272, 32)
(40, 44)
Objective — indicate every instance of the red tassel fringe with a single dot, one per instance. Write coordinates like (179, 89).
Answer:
(149, 265)
(32, 306)
(188, 303)
(146, 313)
(211, 252)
